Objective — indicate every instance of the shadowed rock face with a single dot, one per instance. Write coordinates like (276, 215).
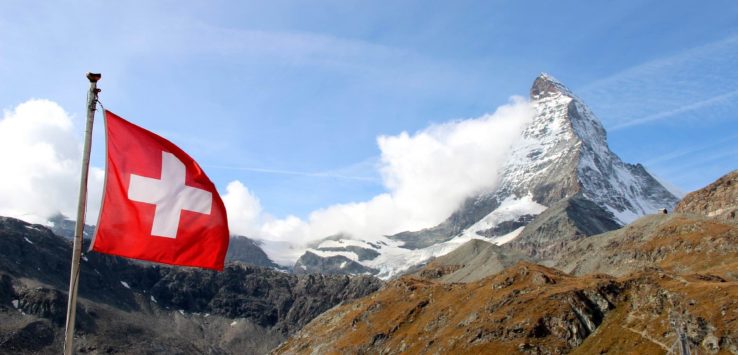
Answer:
(507, 226)
(137, 307)
(718, 200)
(569, 219)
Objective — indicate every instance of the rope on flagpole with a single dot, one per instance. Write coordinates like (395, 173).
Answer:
(81, 206)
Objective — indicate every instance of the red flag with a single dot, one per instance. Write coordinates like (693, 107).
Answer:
(158, 204)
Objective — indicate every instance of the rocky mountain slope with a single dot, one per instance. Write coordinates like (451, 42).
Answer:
(472, 261)
(662, 282)
(719, 199)
(561, 162)
(676, 242)
(569, 219)
(531, 309)
(135, 307)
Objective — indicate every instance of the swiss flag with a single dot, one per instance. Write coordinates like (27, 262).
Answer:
(158, 204)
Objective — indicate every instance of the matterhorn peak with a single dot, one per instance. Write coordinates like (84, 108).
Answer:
(560, 162)
(546, 85)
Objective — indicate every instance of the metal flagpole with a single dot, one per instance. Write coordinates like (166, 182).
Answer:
(81, 205)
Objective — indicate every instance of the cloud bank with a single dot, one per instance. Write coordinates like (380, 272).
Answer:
(40, 153)
(426, 175)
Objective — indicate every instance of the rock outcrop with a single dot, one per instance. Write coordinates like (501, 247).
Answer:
(718, 200)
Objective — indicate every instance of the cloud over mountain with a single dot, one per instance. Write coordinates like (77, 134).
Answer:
(426, 174)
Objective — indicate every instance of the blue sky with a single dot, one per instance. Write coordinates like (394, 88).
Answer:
(289, 97)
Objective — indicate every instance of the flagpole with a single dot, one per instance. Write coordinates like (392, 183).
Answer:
(81, 205)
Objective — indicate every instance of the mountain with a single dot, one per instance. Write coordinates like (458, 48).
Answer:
(248, 251)
(561, 164)
(563, 152)
(130, 307)
(660, 284)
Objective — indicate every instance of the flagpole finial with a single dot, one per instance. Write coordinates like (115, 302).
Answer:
(94, 77)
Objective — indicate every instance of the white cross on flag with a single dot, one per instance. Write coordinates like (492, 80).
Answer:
(158, 204)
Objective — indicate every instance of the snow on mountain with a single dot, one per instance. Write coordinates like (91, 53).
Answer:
(391, 258)
(510, 210)
(563, 152)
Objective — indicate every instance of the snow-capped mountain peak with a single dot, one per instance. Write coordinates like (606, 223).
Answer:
(562, 154)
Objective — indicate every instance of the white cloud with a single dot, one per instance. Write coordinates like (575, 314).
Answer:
(243, 209)
(40, 154)
(427, 175)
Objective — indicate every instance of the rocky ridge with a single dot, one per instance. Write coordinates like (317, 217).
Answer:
(677, 242)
